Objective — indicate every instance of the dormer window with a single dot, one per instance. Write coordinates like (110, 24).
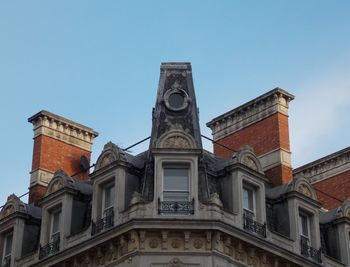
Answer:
(55, 224)
(7, 249)
(250, 217)
(176, 190)
(249, 202)
(106, 216)
(304, 228)
(176, 183)
(108, 199)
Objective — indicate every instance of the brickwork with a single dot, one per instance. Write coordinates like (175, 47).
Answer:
(337, 186)
(280, 174)
(36, 192)
(264, 136)
(52, 155)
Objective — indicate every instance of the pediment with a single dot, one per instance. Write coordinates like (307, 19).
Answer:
(13, 204)
(111, 153)
(176, 139)
(59, 181)
(247, 157)
(302, 186)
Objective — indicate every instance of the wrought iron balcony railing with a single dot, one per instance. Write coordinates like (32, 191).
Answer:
(50, 248)
(106, 222)
(308, 251)
(6, 262)
(253, 226)
(176, 207)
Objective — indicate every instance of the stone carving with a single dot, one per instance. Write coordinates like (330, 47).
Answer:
(153, 243)
(176, 142)
(176, 243)
(175, 263)
(106, 160)
(57, 185)
(215, 200)
(249, 162)
(347, 214)
(9, 210)
(198, 243)
(304, 190)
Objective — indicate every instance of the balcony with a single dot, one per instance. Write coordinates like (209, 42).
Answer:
(6, 261)
(176, 207)
(308, 251)
(106, 222)
(253, 226)
(50, 248)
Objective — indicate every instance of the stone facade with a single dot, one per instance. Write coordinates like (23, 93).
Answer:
(176, 204)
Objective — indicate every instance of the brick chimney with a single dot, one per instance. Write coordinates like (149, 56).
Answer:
(261, 123)
(59, 144)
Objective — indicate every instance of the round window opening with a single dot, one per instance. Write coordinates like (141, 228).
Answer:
(176, 100)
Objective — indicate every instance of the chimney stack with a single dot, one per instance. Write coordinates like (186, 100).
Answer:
(261, 123)
(59, 144)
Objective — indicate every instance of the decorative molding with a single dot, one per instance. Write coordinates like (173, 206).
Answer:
(302, 186)
(176, 139)
(277, 100)
(59, 128)
(40, 176)
(13, 204)
(325, 167)
(111, 153)
(275, 158)
(247, 157)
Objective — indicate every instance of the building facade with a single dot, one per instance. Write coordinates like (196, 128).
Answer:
(176, 204)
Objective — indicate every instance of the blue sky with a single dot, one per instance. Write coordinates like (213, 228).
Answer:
(97, 63)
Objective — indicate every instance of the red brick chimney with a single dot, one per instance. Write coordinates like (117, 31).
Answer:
(261, 123)
(59, 144)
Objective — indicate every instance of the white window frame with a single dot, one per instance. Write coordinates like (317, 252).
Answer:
(105, 209)
(178, 165)
(300, 226)
(54, 235)
(4, 255)
(249, 188)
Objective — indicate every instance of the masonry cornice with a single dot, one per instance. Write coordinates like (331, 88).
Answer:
(274, 101)
(59, 128)
(216, 231)
(325, 167)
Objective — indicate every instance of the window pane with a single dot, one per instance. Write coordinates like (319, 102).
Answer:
(56, 222)
(175, 196)
(248, 202)
(176, 179)
(109, 196)
(8, 245)
(303, 224)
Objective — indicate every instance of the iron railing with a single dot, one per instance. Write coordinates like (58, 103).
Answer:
(106, 222)
(253, 226)
(6, 262)
(308, 251)
(176, 207)
(50, 248)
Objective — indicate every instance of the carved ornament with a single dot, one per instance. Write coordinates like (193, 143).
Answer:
(304, 190)
(249, 162)
(176, 142)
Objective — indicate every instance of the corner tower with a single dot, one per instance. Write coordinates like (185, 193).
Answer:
(174, 172)
(176, 109)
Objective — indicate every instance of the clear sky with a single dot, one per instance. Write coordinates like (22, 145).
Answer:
(97, 63)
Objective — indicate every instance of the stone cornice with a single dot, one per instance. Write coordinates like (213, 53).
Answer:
(62, 129)
(274, 101)
(151, 237)
(325, 167)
